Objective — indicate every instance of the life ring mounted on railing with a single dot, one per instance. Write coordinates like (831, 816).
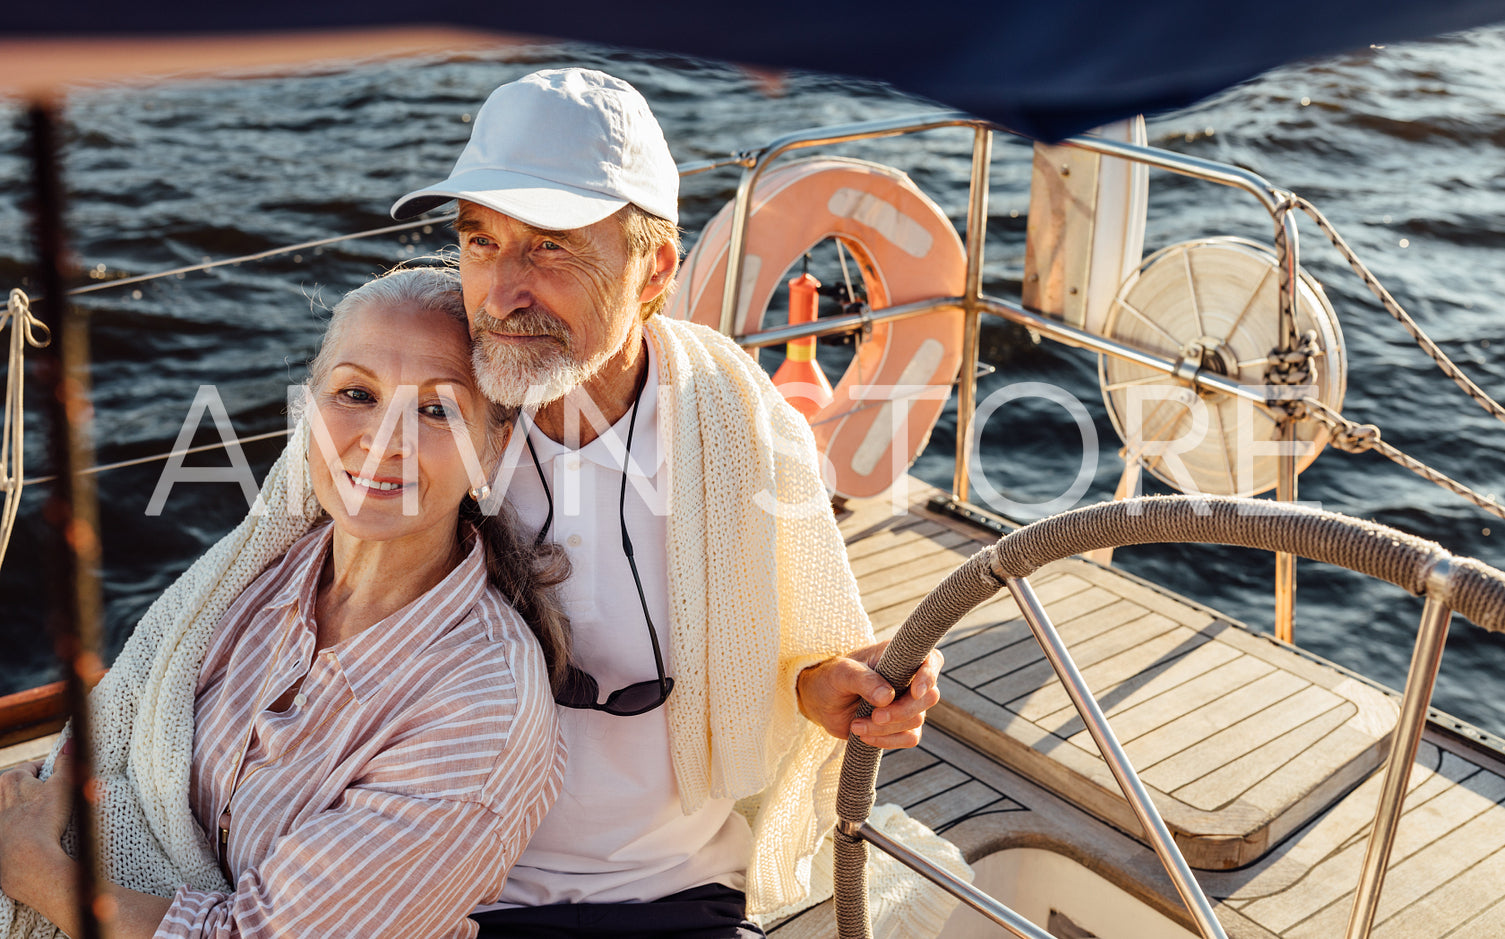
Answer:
(888, 400)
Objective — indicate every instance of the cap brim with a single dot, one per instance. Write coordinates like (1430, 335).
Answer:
(538, 202)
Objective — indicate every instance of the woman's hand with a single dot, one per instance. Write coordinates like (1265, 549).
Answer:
(33, 816)
(35, 870)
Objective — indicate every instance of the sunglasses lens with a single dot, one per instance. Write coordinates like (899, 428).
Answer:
(638, 698)
(579, 690)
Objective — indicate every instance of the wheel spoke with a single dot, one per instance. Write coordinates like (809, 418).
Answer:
(1159, 459)
(1175, 343)
(1173, 421)
(1222, 428)
(1249, 303)
(1151, 379)
(1270, 414)
(1191, 289)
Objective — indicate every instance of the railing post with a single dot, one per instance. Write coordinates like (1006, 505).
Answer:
(977, 234)
(1287, 255)
(731, 293)
(1285, 563)
(1425, 659)
(949, 882)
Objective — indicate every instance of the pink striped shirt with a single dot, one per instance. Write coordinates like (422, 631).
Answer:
(395, 792)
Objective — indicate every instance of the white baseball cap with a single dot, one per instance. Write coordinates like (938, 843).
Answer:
(560, 149)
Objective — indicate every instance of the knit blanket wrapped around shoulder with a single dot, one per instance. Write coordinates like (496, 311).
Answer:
(759, 589)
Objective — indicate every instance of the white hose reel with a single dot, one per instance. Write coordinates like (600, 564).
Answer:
(1212, 305)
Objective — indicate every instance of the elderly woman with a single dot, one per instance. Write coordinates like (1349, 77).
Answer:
(374, 732)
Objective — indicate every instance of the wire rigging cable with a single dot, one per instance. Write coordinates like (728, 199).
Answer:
(1447, 365)
(1353, 437)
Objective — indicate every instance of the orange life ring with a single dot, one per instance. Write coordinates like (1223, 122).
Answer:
(887, 402)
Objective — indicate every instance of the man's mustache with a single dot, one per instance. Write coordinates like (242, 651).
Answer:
(528, 321)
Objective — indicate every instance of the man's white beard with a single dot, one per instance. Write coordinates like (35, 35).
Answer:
(512, 377)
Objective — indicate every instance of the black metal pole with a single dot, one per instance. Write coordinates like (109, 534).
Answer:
(71, 511)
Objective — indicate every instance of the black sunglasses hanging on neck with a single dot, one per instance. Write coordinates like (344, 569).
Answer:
(580, 690)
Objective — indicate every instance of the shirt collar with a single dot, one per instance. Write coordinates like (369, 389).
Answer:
(300, 569)
(610, 447)
(366, 658)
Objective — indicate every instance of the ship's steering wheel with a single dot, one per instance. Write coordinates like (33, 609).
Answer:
(1422, 567)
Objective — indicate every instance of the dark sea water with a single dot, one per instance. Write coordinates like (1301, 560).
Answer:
(1402, 146)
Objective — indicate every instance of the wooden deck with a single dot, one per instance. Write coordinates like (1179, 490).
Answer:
(1246, 746)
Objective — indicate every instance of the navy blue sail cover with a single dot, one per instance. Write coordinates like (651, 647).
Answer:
(1047, 68)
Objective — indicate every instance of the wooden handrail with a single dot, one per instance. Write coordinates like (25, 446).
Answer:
(35, 712)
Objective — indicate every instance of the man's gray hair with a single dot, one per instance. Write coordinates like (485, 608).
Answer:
(644, 232)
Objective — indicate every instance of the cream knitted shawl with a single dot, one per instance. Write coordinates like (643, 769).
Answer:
(759, 588)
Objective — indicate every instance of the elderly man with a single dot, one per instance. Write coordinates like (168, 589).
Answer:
(719, 639)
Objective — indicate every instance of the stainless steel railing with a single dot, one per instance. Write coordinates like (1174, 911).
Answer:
(1276, 202)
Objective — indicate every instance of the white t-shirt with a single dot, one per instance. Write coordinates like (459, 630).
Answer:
(617, 832)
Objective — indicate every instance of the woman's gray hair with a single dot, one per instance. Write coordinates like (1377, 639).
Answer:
(525, 572)
(428, 288)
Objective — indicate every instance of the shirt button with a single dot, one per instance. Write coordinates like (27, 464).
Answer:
(573, 463)
(573, 541)
(300, 699)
